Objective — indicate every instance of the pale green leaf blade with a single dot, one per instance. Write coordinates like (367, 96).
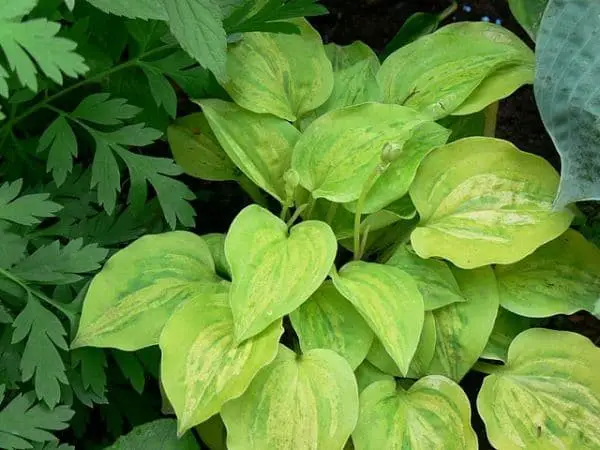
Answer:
(433, 414)
(390, 302)
(566, 92)
(433, 277)
(161, 433)
(260, 145)
(506, 327)
(463, 329)
(529, 14)
(345, 56)
(286, 75)
(130, 300)
(367, 374)
(547, 395)
(297, 402)
(274, 271)
(561, 277)
(437, 73)
(138, 9)
(483, 201)
(216, 245)
(202, 368)
(327, 320)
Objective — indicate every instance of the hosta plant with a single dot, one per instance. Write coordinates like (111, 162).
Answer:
(401, 247)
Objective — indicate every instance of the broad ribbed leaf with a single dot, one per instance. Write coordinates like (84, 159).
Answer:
(130, 300)
(529, 14)
(259, 144)
(433, 277)
(201, 366)
(286, 75)
(295, 403)
(506, 328)
(561, 277)
(483, 201)
(567, 95)
(216, 245)
(547, 395)
(327, 320)
(463, 329)
(274, 270)
(390, 302)
(197, 150)
(437, 73)
(339, 151)
(433, 414)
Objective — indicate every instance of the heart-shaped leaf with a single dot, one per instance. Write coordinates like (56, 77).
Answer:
(259, 144)
(433, 277)
(483, 201)
(201, 366)
(433, 414)
(296, 402)
(561, 277)
(274, 271)
(436, 74)
(390, 302)
(286, 75)
(547, 395)
(463, 329)
(130, 300)
(506, 328)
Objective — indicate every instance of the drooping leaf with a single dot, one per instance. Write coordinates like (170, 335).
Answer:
(260, 145)
(274, 271)
(567, 67)
(506, 327)
(390, 302)
(561, 277)
(433, 413)
(25, 209)
(529, 14)
(327, 320)
(161, 433)
(296, 402)
(280, 74)
(483, 201)
(436, 74)
(463, 329)
(202, 368)
(216, 245)
(130, 300)
(433, 277)
(138, 9)
(546, 396)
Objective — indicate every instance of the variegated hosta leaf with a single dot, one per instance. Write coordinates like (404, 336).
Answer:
(547, 396)
(483, 201)
(201, 366)
(561, 277)
(327, 320)
(216, 245)
(197, 150)
(339, 151)
(259, 144)
(130, 300)
(367, 374)
(390, 302)
(274, 271)
(432, 414)
(439, 73)
(286, 75)
(433, 277)
(420, 362)
(463, 329)
(296, 403)
(506, 328)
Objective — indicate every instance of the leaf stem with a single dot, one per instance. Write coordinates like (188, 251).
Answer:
(359, 208)
(296, 214)
(487, 368)
(491, 117)
(331, 212)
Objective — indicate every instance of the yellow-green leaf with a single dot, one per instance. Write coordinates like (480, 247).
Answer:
(345, 56)
(259, 144)
(483, 201)
(367, 374)
(274, 271)
(216, 245)
(197, 150)
(327, 320)
(547, 396)
(130, 300)
(433, 277)
(506, 327)
(390, 302)
(286, 75)
(561, 277)
(201, 366)
(433, 414)
(297, 402)
(438, 73)
(463, 329)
